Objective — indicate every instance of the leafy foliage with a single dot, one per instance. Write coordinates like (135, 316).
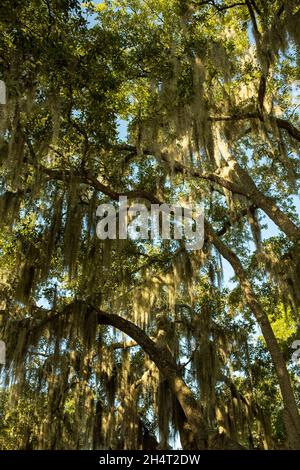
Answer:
(208, 93)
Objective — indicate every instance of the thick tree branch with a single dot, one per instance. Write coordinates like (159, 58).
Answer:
(289, 127)
(268, 334)
(161, 356)
(91, 180)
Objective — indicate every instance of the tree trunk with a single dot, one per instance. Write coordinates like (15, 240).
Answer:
(163, 359)
(292, 418)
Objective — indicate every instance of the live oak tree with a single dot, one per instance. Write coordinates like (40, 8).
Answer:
(128, 344)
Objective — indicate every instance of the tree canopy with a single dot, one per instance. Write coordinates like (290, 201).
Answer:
(146, 344)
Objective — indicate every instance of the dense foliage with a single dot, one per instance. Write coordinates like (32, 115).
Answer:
(128, 344)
